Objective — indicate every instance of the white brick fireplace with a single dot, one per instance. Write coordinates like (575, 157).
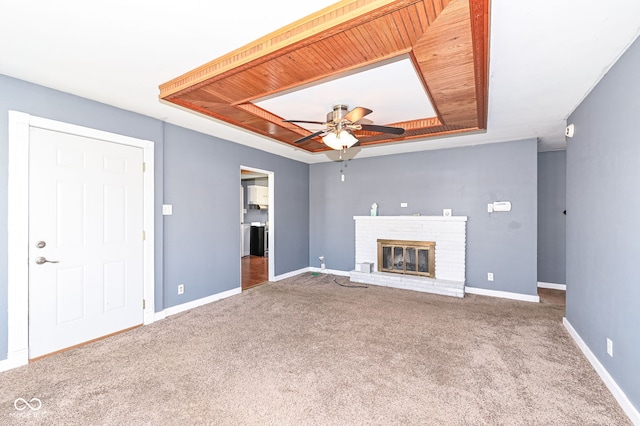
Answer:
(449, 234)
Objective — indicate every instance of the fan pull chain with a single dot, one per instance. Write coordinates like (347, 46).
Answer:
(342, 172)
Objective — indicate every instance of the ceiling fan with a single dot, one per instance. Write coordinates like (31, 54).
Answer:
(340, 124)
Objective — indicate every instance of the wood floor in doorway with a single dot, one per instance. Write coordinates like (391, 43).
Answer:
(553, 297)
(255, 271)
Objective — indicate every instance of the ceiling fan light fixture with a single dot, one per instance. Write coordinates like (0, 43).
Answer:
(338, 141)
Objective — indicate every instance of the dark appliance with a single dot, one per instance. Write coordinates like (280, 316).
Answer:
(257, 243)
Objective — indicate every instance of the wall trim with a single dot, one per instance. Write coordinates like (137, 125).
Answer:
(198, 302)
(330, 271)
(502, 294)
(553, 286)
(618, 394)
(291, 274)
(15, 359)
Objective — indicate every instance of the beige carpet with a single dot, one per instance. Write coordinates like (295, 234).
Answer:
(308, 351)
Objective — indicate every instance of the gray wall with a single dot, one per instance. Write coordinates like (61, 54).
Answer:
(42, 102)
(462, 179)
(552, 223)
(202, 237)
(198, 174)
(603, 222)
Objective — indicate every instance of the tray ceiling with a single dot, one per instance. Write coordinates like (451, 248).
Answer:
(446, 42)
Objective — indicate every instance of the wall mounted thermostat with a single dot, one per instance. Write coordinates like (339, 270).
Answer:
(502, 206)
(446, 212)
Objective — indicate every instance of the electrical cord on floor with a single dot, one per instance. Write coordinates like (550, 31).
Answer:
(348, 286)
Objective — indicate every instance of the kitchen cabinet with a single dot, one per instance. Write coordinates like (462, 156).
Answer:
(246, 239)
(258, 195)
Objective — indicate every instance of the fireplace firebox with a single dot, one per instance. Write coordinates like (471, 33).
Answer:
(407, 257)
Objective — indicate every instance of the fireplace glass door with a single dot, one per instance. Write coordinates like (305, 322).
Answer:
(407, 257)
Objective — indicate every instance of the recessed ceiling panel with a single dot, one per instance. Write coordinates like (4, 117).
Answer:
(392, 90)
(418, 64)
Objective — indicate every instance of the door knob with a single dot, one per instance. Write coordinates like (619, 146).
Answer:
(41, 244)
(41, 260)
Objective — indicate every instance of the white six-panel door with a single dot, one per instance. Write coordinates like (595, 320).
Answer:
(85, 214)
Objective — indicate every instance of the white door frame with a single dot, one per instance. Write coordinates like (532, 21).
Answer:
(272, 222)
(18, 224)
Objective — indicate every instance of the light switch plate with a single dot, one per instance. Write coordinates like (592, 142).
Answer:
(167, 209)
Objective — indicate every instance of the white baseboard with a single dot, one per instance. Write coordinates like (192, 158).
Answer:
(291, 274)
(330, 271)
(618, 394)
(195, 303)
(502, 294)
(553, 286)
(15, 360)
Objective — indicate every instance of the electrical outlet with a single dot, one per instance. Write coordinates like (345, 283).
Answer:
(180, 288)
(490, 208)
(610, 347)
(489, 276)
(402, 205)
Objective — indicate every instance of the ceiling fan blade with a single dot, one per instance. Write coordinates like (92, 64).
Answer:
(304, 121)
(382, 129)
(312, 135)
(357, 113)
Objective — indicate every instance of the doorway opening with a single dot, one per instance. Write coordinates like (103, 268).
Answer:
(256, 226)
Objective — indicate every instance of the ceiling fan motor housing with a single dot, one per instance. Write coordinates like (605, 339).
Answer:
(338, 112)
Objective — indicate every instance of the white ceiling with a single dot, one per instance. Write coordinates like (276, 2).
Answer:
(545, 57)
(392, 90)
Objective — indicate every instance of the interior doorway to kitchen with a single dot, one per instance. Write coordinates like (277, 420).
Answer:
(256, 226)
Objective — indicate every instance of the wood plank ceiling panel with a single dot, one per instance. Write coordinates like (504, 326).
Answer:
(447, 41)
(445, 59)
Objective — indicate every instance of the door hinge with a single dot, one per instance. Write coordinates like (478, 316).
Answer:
(144, 167)
(144, 236)
(144, 304)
